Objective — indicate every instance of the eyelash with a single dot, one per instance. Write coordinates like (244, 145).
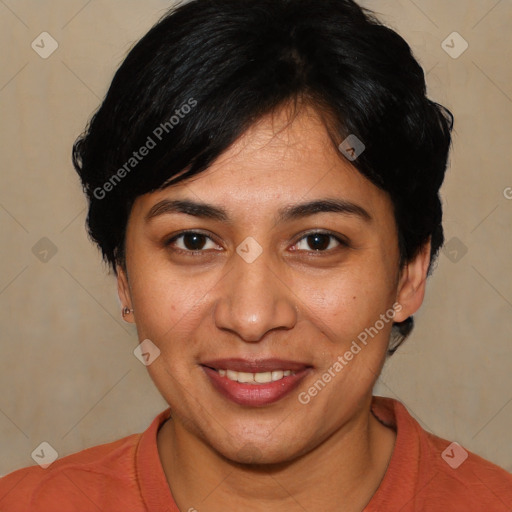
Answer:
(342, 242)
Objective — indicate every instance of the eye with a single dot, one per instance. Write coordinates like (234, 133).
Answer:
(191, 241)
(319, 242)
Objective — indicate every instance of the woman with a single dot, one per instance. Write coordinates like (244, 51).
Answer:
(263, 177)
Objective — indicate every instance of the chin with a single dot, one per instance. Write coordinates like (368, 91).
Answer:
(253, 453)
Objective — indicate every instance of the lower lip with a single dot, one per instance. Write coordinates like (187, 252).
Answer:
(254, 394)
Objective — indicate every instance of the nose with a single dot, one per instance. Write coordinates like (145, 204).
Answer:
(254, 300)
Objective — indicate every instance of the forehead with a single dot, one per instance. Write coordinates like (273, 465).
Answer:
(283, 158)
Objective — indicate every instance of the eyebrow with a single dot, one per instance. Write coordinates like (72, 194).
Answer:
(287, 213)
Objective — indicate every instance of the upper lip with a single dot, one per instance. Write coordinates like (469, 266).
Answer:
(255, 365)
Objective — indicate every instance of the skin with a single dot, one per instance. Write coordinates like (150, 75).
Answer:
(291, 303)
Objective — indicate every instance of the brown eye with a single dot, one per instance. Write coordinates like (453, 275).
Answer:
(194, 241)
(319, 242)
(191, 241)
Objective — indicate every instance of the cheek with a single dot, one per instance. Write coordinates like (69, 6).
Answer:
(346, 302)
(166, 301)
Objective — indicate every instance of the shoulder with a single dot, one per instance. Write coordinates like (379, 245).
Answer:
(465, 475)
(75, 479)
(427, 472)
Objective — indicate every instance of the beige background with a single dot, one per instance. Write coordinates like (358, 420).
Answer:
(67, 372)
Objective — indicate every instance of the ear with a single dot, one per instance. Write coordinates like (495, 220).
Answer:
(123, 290)
(412, 284)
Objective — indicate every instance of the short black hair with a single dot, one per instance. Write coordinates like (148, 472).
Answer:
(209, 69)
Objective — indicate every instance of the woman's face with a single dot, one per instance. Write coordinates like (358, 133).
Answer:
(255, 306)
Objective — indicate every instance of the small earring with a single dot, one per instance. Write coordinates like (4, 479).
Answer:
(126, 311)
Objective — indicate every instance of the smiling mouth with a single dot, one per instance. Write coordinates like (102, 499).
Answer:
(254, 378)
(255, 383)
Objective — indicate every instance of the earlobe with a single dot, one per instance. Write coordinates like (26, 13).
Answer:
(123, 290)
(412, 284)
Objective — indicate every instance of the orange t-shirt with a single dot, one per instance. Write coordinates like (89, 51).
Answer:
(425, 473)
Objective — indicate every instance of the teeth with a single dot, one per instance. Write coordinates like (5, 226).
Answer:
(245, 377)
(264, 377)
(231, 375)
(255, 378)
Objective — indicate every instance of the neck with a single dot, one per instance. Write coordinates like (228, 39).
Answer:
(340, 474)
